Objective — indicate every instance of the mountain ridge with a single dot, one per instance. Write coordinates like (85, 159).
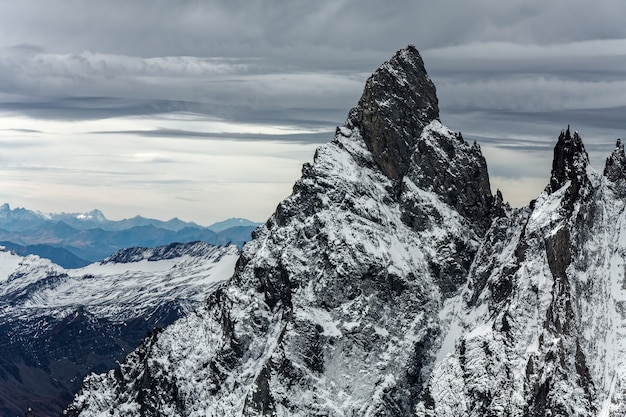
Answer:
(77, 239)
(392, 282)
(96, 219)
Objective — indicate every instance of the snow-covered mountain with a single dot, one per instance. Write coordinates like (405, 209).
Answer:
(57, 324)
(393, 283)
(21, 218)
(538, 330)
(77, 239)
(230, 223)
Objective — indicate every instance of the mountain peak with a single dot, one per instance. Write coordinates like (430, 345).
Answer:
(93, 215)
(398, 101)
(231, 222)
(615, 167)
(570, 162)
(5, 210)
(615, 163)
(391, 282)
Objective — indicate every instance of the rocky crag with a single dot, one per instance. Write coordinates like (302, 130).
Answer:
(393, 283)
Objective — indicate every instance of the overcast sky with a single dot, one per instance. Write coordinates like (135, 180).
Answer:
(207, 109)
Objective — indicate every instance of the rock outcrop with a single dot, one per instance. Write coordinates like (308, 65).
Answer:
(398, 101)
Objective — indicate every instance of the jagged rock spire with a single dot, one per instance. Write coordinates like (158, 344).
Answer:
(398, 104)
(570, 162)
(398, 100)
(615, 164)
(614, 169)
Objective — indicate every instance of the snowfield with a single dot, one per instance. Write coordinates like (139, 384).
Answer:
(109, 289)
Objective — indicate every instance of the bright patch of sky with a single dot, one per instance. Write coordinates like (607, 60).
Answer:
(66, 165)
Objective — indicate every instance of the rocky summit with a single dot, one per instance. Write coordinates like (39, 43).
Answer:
(393, 283)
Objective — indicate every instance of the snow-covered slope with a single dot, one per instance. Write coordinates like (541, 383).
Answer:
(392, 283)
(56, 325)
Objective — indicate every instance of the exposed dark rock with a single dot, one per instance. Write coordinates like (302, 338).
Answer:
(584, 375)
(616, 163)
(569, 163)
(559, 253)
(615, 168)
(261, 400)
(399, 99)
(457, 172)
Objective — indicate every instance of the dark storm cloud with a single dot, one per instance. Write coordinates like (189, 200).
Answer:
(526, 67)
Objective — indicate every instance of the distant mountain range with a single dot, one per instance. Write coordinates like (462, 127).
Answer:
(73, 240)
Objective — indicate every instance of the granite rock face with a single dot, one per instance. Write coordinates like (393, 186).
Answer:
(569, 162)
(398, 101)
(541, 319)
(615, 169)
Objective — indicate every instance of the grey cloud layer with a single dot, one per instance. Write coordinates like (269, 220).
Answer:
(90, 85)
(160, 55)
(283, 30)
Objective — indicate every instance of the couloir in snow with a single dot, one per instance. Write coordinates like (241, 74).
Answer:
(392, 283)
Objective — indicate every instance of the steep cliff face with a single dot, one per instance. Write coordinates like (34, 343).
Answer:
(392, 283)
(398, 101)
